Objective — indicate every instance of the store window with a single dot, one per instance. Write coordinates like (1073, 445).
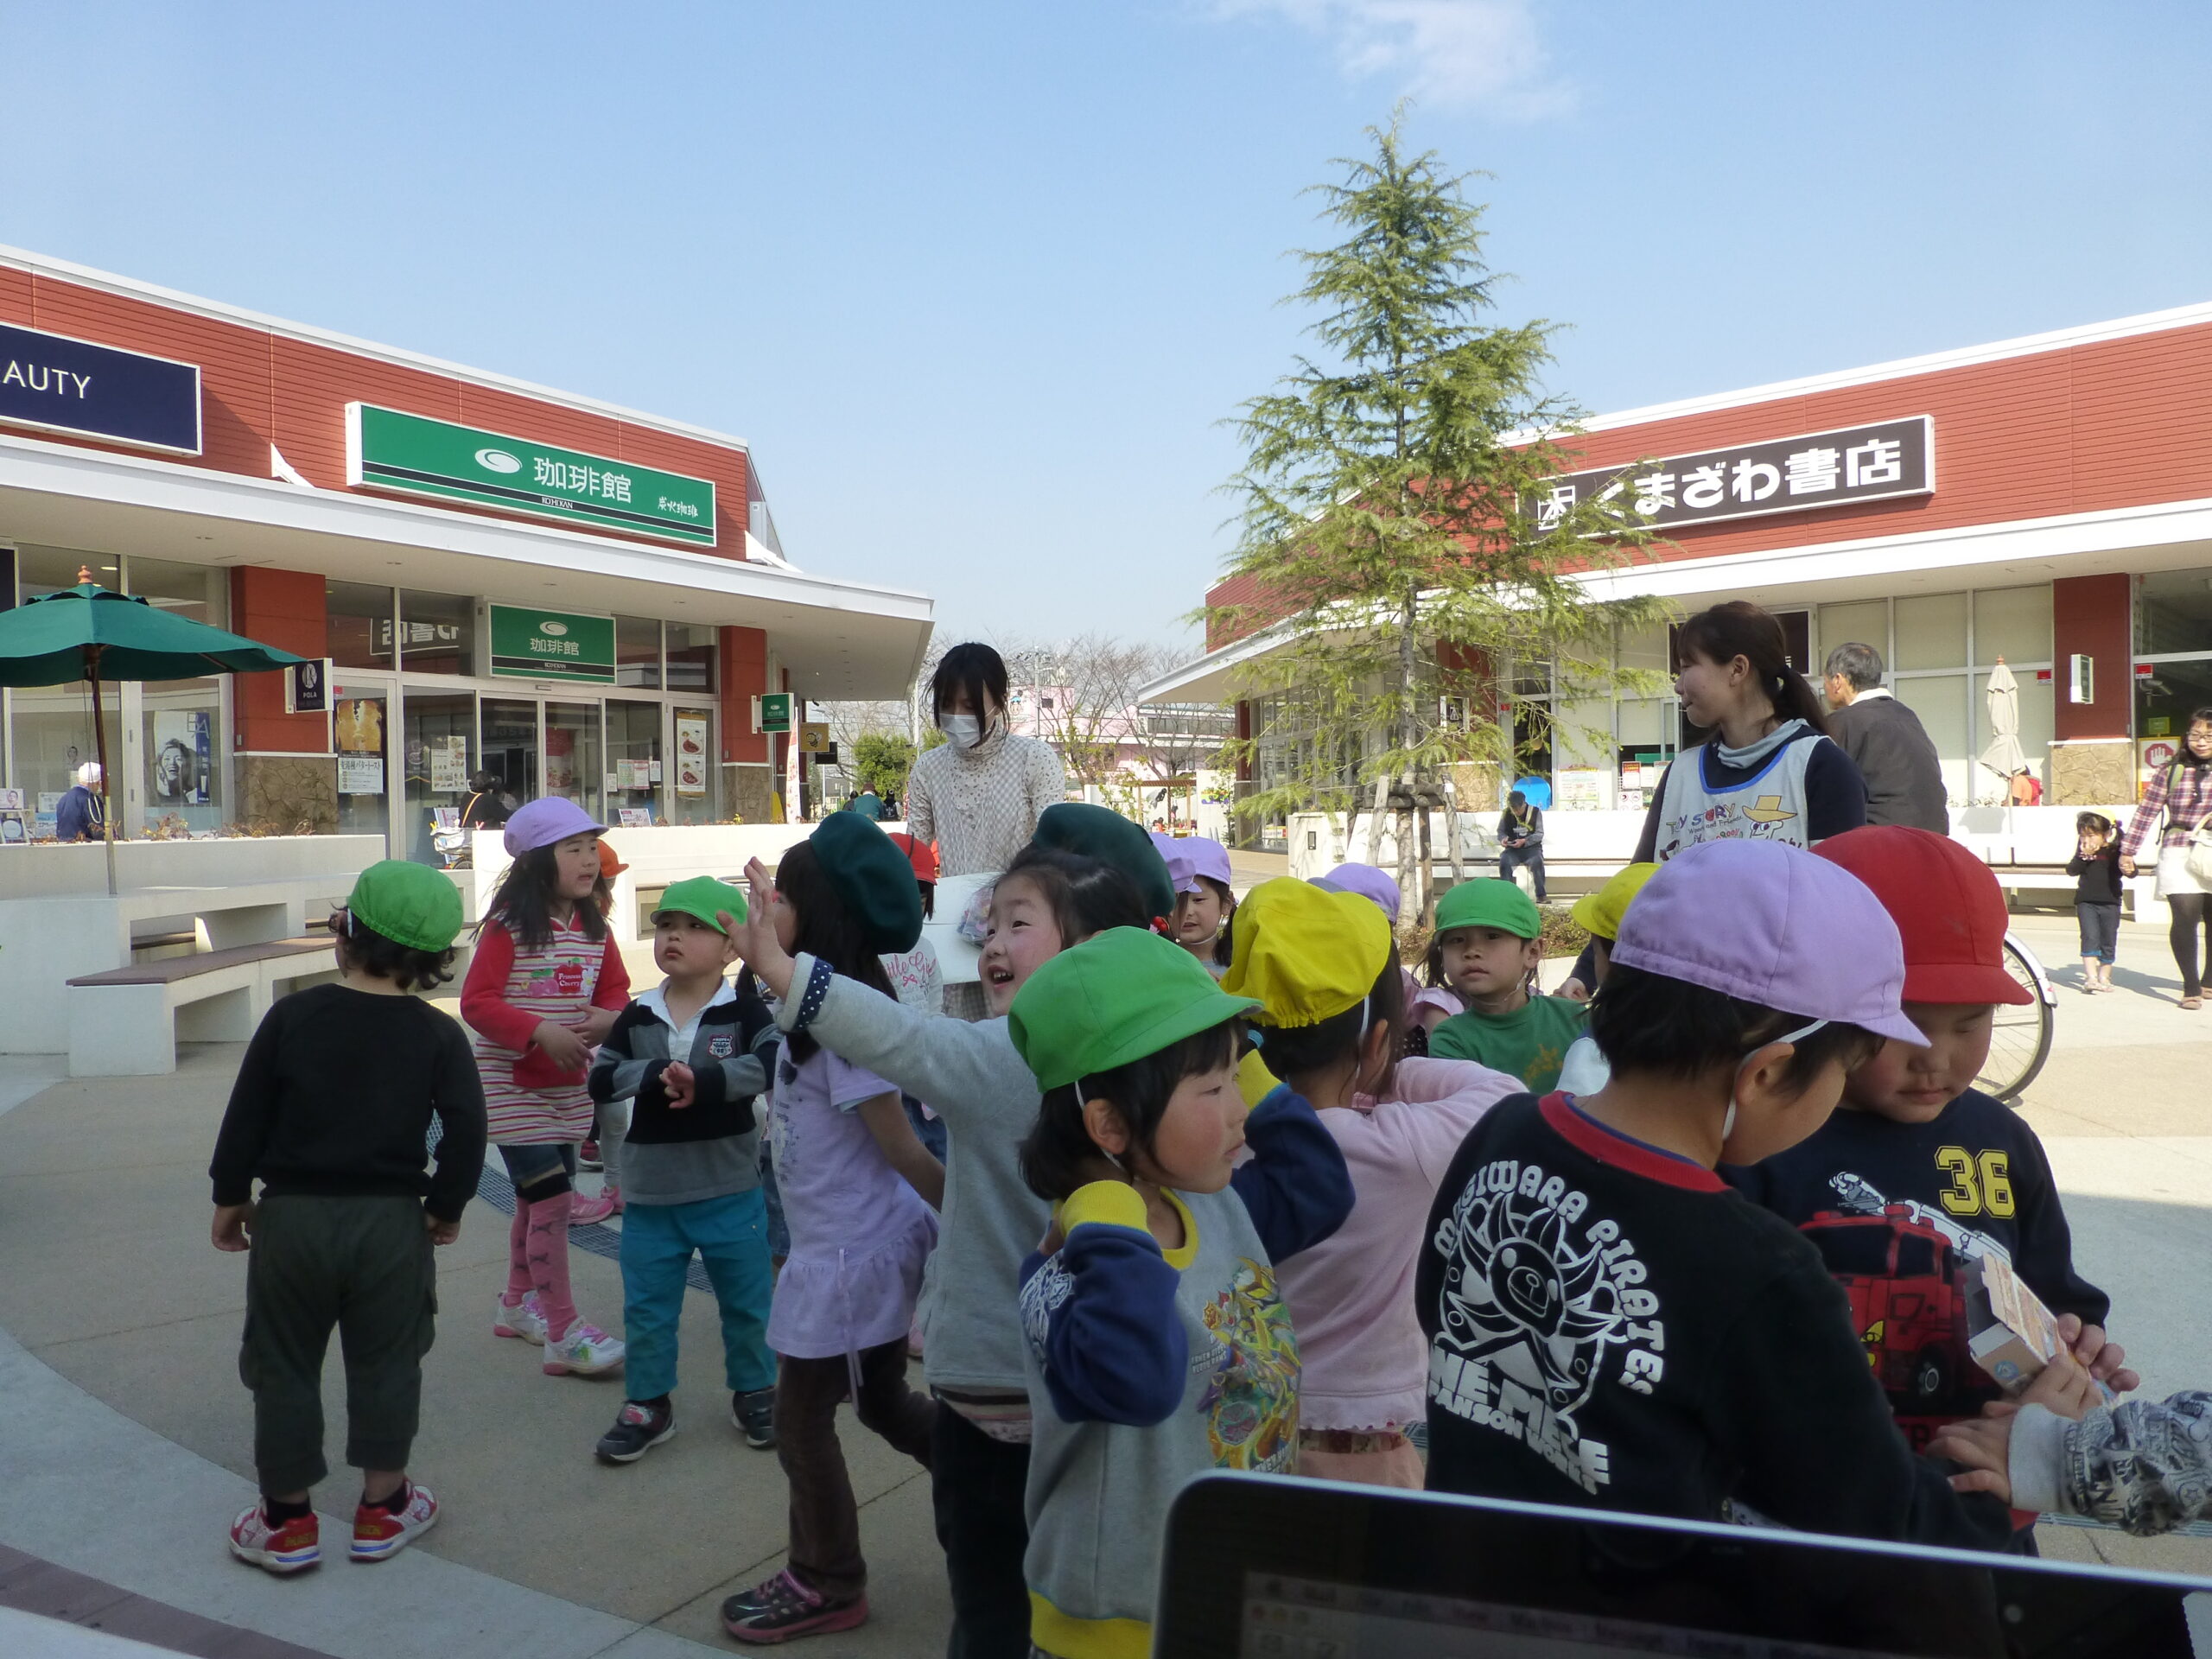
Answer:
(43, 570)
(572, 755)
(52, 734)
(361, 624)
(637, 652)
(2173, 612)
(361, 732)
(691, 657)
(437, 632)
(633, 757)
(692, 794)
(1931, 632)
(508, 747)
(2173, 626)
(183, 777)
(438, 727)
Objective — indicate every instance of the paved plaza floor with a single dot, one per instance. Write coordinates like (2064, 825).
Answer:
(124, 1450)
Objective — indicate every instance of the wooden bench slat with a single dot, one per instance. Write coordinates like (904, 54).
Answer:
(203, 961)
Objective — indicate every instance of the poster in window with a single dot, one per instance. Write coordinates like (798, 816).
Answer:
(690, 755)
(358, 727)
(448, 764)
(361, 774)
(183, 757)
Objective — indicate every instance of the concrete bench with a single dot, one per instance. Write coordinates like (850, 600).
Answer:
(127, 1022)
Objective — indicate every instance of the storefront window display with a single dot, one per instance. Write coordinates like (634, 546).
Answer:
(437, 632)
(694, 793)
(360, 729)
(572, 755)
(508, 747)
(2173, 667)
(634, 758)
(439, 727)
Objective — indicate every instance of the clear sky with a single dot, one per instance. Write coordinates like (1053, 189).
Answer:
(979, 279)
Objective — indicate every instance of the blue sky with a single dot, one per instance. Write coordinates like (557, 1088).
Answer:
(979, 280)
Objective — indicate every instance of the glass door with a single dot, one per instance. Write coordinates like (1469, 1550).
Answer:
(634, 758)
(362, 735)
(436, 728)
(572, 755)
(692, 798)
(510, 748)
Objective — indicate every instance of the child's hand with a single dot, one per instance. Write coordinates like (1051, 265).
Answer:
(2062, 1387)
(2126, 865)
(1985, 1446)
(1574, 988)
(756, 935)
(681, 1085)
(597, 1023)
(2104, 1359)
(561, 1046)
(441, 1232)
(232, 1230)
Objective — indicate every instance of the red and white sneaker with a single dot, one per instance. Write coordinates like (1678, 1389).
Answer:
(380, 1533)
(292, 1547)
(589, 1212)
(526, 1320)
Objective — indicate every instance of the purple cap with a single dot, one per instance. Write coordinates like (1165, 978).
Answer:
(1368, 882)
(544, 822)
(1771, 923)
(1175, 852)
(1208, 859)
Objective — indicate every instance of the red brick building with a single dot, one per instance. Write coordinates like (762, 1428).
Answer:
(581, 598)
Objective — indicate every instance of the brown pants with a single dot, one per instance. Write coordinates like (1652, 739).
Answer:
(825, 1550)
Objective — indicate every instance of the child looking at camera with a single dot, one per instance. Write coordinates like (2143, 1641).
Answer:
(1159, 1345)
(331, 1112)
(1608, 1323)
(2096, 896)
(1487, 949)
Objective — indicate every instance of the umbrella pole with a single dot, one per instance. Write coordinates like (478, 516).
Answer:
(100, 746)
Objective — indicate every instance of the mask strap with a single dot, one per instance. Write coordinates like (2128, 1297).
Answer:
(1103, 1152)
(1728, 1123)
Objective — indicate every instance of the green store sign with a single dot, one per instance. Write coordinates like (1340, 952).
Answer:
(529, 645)
(412, 455)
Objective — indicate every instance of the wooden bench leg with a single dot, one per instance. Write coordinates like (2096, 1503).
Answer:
(121, 1031)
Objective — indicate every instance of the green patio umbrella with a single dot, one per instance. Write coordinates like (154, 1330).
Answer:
(87, 633)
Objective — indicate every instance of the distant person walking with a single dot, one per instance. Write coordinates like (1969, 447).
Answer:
(485, 809)
(82, 814)
(1886, 739)
(1521, 840)
(2177, 804)
(868, 804)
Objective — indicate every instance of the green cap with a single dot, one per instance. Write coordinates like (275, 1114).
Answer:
(1489, 902)
(1095, 832)
(701, 896)
(409, 903)
(873, 877)
(1117, 997)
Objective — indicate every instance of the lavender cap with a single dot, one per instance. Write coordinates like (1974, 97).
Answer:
(1771, 923)
(542, 823)
(1368, 882)
(1208, 858)
(1174, 852)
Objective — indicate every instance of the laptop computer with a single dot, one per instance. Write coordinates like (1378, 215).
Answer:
(1273, 1568)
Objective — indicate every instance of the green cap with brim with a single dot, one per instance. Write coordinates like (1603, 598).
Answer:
(1114, 999)
(409, 903)
(701, 896)
(1489, 902)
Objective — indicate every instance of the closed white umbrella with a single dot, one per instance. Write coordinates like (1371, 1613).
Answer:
(2004, 756)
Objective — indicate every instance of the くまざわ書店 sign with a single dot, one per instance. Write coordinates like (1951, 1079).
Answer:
(551, 645)
(413, 454)
(1748, 481)
(57, 384)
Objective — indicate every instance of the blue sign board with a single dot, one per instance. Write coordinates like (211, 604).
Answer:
(61, 384)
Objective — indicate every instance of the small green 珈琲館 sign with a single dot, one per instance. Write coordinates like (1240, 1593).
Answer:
(413, 454)
(533, 644)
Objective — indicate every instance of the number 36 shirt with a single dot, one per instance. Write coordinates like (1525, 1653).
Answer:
(1899, 1211)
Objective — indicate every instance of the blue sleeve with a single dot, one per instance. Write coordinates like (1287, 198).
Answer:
(1099, 1315)
(1296, 1187)
(1835, 792)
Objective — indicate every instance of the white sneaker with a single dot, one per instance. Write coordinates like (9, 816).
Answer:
(586, 1350)
(526, 1320)
(381, 1533)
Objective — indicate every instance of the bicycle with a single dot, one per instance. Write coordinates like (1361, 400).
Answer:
(2020, 1040)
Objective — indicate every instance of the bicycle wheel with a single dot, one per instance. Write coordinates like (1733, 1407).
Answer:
(2020, 1040)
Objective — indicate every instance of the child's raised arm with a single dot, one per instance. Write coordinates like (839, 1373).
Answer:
(1100, 1314)
(1296, 1187)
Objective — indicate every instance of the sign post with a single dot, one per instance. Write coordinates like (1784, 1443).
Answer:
(771, 712)
(306, 687)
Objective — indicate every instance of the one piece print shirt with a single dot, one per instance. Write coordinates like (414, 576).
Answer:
(1530, 1043)
(1898, 1211)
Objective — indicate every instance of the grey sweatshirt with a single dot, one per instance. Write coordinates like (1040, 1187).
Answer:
(710, 1149)
(972, 1078)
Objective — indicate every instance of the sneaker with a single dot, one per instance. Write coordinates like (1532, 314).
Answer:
(525, 1319)
(378, 1533)
(586, 1350)
(587, 1212)
(638, 1429)
(613, 1194)
(754, 1416)
(783, 1608)
(292, 1547)
(588, 1156)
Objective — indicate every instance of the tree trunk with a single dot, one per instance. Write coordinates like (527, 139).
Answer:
(1451, 829)
(1410, 883)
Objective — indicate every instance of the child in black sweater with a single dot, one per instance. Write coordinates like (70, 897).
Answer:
(332, 1111)
(1609, 1324)
(2096, 896)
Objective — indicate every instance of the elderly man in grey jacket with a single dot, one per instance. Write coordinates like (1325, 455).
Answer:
(1905, 781)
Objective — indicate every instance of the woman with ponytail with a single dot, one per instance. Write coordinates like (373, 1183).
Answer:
(1769, 770)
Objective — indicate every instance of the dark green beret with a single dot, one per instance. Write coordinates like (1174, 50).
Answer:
(1073, 827)
(873, 877)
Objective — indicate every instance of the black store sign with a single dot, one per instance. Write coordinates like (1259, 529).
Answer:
(1749, 481)
(61, 384)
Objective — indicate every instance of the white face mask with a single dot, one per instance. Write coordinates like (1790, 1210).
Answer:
(966, 730)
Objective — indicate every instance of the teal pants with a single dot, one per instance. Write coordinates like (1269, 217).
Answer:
(730, 1234)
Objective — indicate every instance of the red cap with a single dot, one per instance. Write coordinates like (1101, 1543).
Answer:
(920, 854)
(1949, 910)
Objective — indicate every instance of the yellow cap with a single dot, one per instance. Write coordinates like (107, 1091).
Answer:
(1600, 913)
(1307, 953)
